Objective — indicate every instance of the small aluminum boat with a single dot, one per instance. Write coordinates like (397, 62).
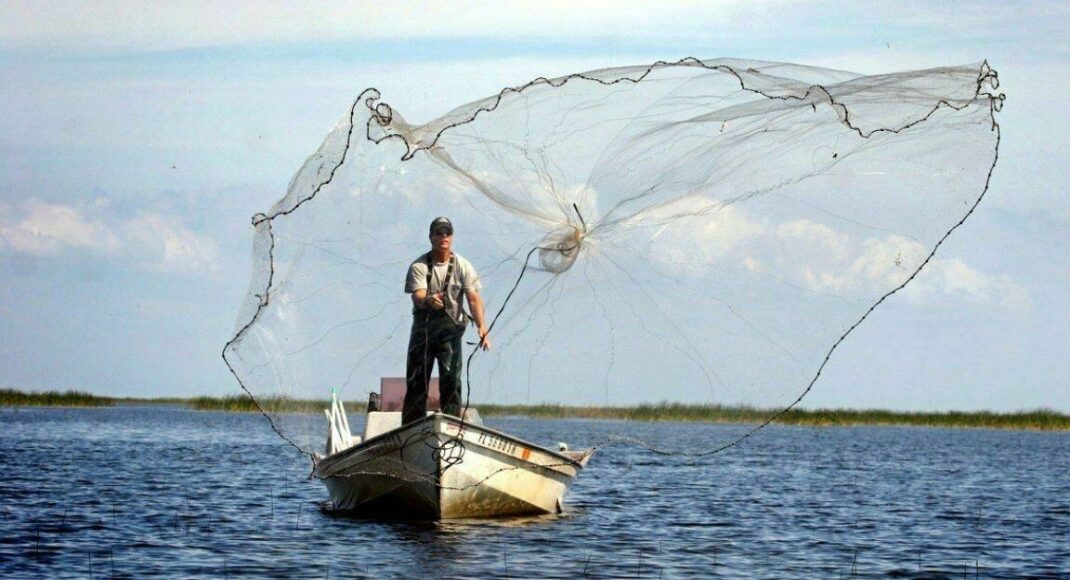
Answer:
(442, 467)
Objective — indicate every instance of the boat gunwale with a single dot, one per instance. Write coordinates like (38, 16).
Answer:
(448, 419)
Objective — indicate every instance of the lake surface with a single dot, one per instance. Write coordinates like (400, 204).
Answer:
(155, 491)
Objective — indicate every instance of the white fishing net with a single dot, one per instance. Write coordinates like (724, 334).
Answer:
(698, 231)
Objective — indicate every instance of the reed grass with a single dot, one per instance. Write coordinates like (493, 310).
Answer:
(1038, 419)
(16, 398)
(244, 404)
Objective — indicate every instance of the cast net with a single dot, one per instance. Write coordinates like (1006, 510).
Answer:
(694, 232)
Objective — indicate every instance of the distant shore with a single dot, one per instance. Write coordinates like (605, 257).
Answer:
(1037, 420)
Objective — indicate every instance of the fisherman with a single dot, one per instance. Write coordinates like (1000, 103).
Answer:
(436, 282)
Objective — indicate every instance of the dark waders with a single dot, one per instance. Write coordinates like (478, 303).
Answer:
(434, 336)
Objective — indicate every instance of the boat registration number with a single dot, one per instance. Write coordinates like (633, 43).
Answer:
(495, 442)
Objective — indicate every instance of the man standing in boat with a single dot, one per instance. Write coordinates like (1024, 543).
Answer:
(437, 280)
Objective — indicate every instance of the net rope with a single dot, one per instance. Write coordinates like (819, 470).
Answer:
(655, 154)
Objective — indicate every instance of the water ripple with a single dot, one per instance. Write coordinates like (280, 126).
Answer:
(132, 492)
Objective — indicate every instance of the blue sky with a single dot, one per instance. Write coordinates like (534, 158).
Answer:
(138, 140)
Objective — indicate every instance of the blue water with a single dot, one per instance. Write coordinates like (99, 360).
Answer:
(168, 492)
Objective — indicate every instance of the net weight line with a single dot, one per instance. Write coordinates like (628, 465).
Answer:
(381, 114)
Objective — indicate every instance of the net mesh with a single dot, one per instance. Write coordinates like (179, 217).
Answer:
(694, 231)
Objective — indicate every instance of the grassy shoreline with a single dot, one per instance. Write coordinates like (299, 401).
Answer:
(15, 398)
(1039, 419)
(1036, 420)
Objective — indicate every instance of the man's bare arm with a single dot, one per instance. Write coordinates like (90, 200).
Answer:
(423, 301)
(475, 304)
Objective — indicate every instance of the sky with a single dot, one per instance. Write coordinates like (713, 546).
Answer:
(138, 139)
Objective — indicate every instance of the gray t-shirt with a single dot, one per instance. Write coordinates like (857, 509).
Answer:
(464, 279)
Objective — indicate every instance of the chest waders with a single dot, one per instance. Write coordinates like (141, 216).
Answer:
(434, 336)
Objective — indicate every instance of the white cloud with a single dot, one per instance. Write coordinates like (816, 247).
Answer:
(811, 233)
(53, 228)
(811, 254)
(821, 259)
(165, 245)
(877, 265)
(889, 261)
(954, 278)
(699, 233)
(834, 262)
(962, 279)
(150, 240)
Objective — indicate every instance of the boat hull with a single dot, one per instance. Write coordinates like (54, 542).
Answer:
(440, 468)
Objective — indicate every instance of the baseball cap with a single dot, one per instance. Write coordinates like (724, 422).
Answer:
(441, 223)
